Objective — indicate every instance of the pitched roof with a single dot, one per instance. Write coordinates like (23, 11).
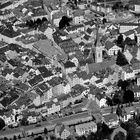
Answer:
(69, 64)
(95, 67)
(86, 37)
(110, 118)
(109, 44)
(89, 30)
(78, 12)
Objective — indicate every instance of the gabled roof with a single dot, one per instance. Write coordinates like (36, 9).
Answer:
(86, 37)
(128, 33)
(109, 45)
(110, 118)
(69, 64)
(99, 96)
(89, 30)
(95, 67)
(81, 43)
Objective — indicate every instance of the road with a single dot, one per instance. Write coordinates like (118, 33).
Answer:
(66, 120)
(49, 125)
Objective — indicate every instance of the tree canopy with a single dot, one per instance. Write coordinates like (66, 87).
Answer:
(121, 60)
(64, 22)
(128, 96)
(2, 123)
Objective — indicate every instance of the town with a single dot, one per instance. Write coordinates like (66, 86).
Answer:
(70, 70)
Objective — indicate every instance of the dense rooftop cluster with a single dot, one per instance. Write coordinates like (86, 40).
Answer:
(68, 68)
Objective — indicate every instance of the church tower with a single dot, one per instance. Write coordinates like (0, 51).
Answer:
(98, 47)
(99, 53)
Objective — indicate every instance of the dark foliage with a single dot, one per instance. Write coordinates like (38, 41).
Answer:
(128, 41)
(130, 127)
(64, 22)
(120, 40)
(119, 136)
(128, 96)
(117, 99)
(117, 6)
(24, 121)
(121, 60)
(2, 123)
(38, 138)
(5, 138)
(14, 137)
(36, 23)
(45, 131)
(123, 84)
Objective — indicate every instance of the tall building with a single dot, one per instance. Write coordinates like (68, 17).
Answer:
(99, 53)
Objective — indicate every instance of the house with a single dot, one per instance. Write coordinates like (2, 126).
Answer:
(116, 131)
(75, 29)
(47, 95)
(95, 67)
(52, 107)
(99, 83)
(89, 24)
(86, 128)
(64, 100)
(138, 79)
(32, 119)
(111, 120)
(127, 73)
(73, 79)
(136, 67)
(62, 131)
(136, 90)
(101, 99)
(111, 48)
(45, 73)
(69, 67)
(69, 46)
(129, 114)
(78, 16)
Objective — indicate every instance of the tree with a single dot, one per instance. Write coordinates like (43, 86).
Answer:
(2, 124)
(120, 39)
(128, 96)
(14, 137)
(119, 136)
(24, 121)
(38, 138)
(45, 131)
(19, 137)
(121, 60)
(119, 111)
(5, 138)
(44, 19)
(64, 22)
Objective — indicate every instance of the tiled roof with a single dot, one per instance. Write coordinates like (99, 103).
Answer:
(75, 27)
(69, 64)
(110, 118)
(91, 23)
(89, 30)
(55, 81)
(95, 67)
(78, 13)
(86, 37)
(130, 32)
(109, 44)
